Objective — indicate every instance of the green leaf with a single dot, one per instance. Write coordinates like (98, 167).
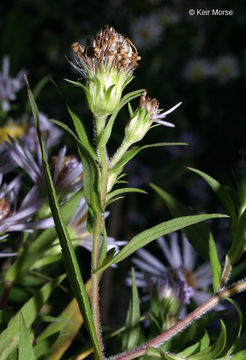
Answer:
(9, 338)
(103, 139)
(66, 330)
(201, 345)
(44, 348)
(69, 256)
(215, 263)
(239, 356)
(38, 246)
(132, 152)
(197, 235)
(123, 191)
(238, 246)
(240, 316)
(90, 169)
(191, 334)
(223, 195)
(166, 227)
(132, 333)
(216, 349)
(81, 143)
(86, 91)
(25, 347)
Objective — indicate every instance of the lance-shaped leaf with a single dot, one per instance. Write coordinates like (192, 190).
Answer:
(66, 330)
(214, 262)
(118, 192)
(132, 152)
(197, 235)
(145, 237)
(25, 347)
(224, 196)
(132, 333)
(68, 252)
(9, 338)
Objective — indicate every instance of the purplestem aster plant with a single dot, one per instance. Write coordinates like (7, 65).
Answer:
(107, 62)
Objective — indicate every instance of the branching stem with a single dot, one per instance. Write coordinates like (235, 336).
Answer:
(182, 324)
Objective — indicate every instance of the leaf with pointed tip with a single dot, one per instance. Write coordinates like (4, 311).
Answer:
(104, 137)
(9, 338)
(132, 333)
(67, 330)
(215, 263)
(133, 152)
(123, 191)
(68, 252)
(145, 237)
(25, 347)
(86, 91)
(201, 345)
(198, 235)
(223, 194)
(237, 341)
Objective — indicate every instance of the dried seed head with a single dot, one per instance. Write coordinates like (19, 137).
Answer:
(109, 49)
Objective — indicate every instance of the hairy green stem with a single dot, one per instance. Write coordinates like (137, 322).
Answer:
(182, 324)
(119, 153)
(95, 278)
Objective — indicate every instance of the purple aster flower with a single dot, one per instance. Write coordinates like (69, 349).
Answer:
(9, 86)
(66, 170)
(13, 218)
(179, 278)
(77, 228)
(13, 131)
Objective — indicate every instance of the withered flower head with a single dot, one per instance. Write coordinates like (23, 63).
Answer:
(109, 49)
(107, 62)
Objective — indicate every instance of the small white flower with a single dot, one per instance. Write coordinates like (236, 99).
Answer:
(146, 31)
(197, 69)
(226, 68)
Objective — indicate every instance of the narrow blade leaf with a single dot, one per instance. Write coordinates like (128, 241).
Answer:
(145, 237)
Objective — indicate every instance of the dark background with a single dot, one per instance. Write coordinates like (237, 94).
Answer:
(37, 36)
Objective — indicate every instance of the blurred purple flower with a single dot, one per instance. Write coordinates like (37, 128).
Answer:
(179, 278)
(9, 86)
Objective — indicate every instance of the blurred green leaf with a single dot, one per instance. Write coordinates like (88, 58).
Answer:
(197, 235)
(25, 347)
(9, 338)
(238, 246)
(131, 335)
(215, 263)
(145, 237)
(237, 341)
(223, 195)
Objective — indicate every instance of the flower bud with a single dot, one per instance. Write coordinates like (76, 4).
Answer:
(144, 117)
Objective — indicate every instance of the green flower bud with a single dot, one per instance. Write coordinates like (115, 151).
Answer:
(107, 62)
(144, 117)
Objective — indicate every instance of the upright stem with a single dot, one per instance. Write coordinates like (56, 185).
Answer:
(97, 241)
(173, 330)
